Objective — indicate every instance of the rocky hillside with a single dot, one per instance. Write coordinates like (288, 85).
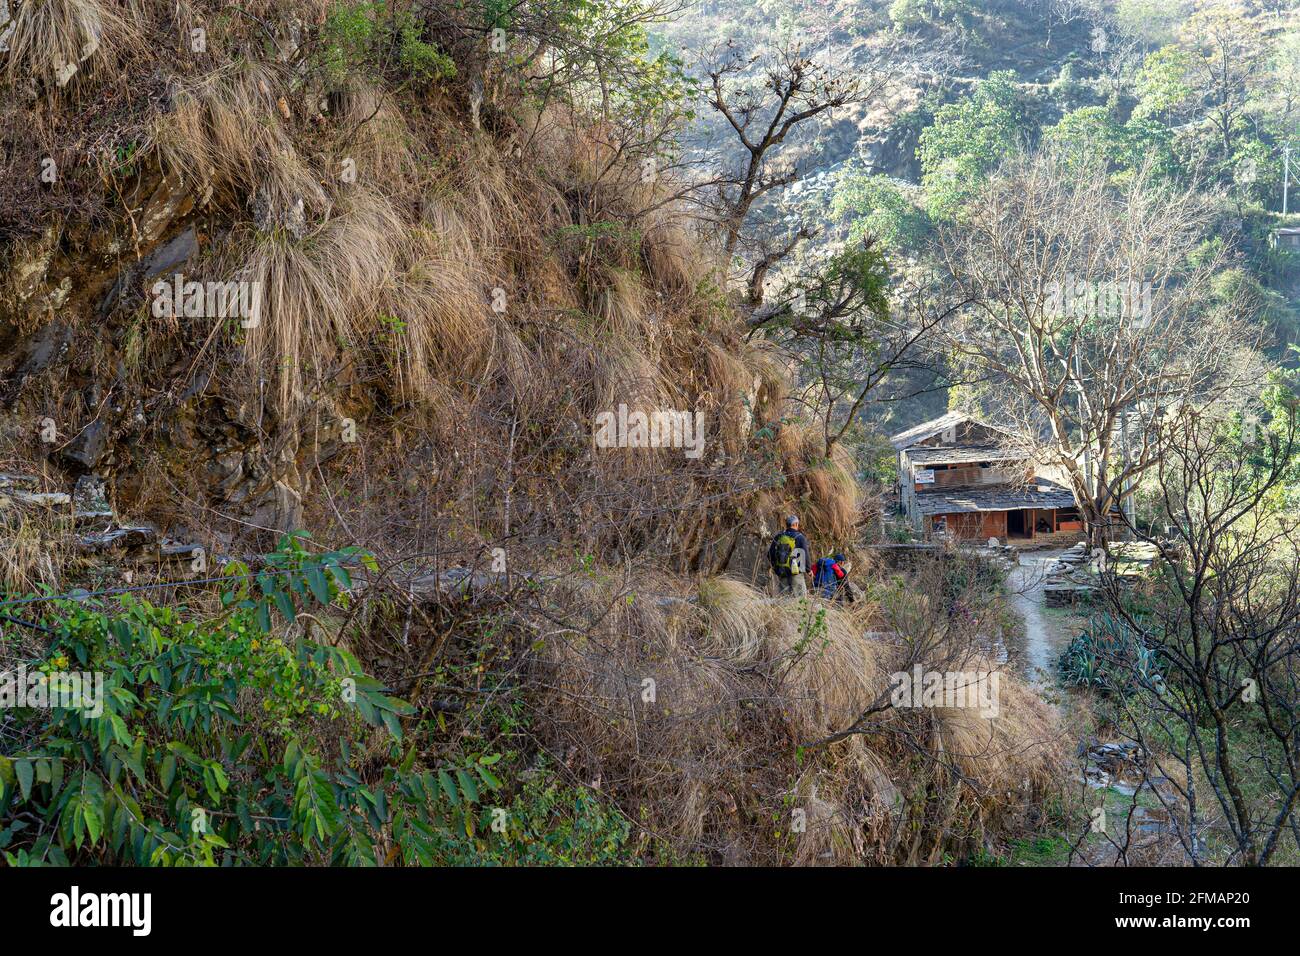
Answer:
(443, 297)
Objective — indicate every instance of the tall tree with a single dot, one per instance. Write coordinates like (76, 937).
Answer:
(1227, 66)
(1211, 700)
(968, 138)
(1096, 320)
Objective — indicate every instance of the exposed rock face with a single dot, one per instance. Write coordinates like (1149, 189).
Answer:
(90, 501)
(89, 446)
(168, 257)
(893, 152)
(30, 264)
(6, 26)
(183, 422)
(60, 297)
(88, 518)
(169, 201)
(37, 352)
(37, 499)
(281, 509)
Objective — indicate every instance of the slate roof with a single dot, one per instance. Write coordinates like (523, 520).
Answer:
(959, 454)
(994, 498)
(919, 433)
(908, 438)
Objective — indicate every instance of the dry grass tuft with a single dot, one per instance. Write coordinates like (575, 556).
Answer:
(672, 256)
(33, 550)
(58, 41)
(435, 319)
(823, 491)
(373, 135)
(227, 139)
(739, 680)
(738, 618)
(317, 293)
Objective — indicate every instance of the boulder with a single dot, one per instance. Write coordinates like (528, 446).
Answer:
(117, 540)
(88, 448)
(280, 510)
(38, 499)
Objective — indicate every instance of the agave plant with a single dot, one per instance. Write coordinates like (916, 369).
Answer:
(1109, 655)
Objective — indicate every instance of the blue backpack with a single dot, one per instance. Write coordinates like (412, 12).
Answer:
(825, 576)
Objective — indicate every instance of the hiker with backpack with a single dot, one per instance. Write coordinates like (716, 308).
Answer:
(831, 574)
(788, 554)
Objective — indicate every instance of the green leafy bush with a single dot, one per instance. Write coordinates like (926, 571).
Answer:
(219, 742)
(371, 38)
(547, 823)
(880, 206)
(913, 14)
(968, 138)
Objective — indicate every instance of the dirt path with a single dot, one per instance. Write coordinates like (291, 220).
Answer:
(1045, 636)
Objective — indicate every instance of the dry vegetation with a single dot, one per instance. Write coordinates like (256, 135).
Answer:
(742, 727)
(474, 430)
(54, 40)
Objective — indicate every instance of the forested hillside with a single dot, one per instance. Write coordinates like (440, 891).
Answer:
(1202, 93)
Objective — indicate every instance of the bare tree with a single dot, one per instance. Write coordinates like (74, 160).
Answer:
(1094, 320)
(1118, 51)
(1228, 60)
(854, 326)
(1213, 703)
(1065, 12)
(765, 99)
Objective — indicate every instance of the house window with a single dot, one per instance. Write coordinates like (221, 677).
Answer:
(939, 524)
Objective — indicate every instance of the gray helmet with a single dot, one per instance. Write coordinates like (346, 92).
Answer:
(791, 521)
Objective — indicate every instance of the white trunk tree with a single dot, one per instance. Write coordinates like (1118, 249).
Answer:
(1100, 316)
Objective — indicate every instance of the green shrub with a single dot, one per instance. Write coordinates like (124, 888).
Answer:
(218, 742)
(369, 38)
(547, 823)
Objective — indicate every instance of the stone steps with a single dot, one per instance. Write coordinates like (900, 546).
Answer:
(88, 516)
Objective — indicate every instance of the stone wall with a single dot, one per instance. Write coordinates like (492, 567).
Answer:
(1040, 541)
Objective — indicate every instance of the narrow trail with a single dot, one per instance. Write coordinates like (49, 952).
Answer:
(1044, 638)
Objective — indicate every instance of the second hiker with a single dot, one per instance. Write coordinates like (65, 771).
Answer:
(832, 574)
